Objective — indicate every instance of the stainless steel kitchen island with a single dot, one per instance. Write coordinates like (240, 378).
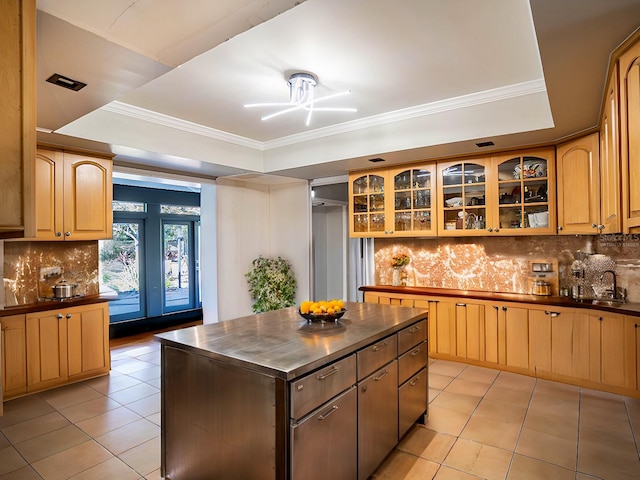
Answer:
(272, 396)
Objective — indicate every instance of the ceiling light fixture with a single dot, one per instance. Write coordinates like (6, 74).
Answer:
(301, 97)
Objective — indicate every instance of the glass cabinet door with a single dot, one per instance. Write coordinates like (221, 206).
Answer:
(368, 204)
(463, 197)
(523, 193)
(412, 206)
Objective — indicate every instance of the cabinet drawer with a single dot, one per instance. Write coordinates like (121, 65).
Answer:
(411, 362)
(316, 388)
(412, 398)
(412, 336)
(324, 444)
(376, 355)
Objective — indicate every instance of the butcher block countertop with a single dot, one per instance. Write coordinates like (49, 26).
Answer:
(632, 309)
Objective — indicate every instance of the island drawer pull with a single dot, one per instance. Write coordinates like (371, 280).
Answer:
(414, 329)
(414, 381)
(461, 304)
(324, 375)
(379, 347)
(382, 375)
(325, 414)
(416, 352)
(553, 314)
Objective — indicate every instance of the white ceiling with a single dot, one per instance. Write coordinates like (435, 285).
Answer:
(167, 80)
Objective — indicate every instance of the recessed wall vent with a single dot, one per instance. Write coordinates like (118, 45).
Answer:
(376, 160)
(485, 144)
(66, 82)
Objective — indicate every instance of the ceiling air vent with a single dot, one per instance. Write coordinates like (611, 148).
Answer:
(376, 160)
(485, 144)
(66, 82)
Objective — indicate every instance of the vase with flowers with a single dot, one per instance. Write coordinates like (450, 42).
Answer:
(398, 263)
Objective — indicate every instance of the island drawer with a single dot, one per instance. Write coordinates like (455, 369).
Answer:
(412, 401)
(411, 362)
(376, 355)
(313, 390)
(412, 336)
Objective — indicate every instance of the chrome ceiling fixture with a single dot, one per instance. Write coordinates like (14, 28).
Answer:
(301, 97)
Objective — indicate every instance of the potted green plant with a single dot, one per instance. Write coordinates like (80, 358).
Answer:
(272, 284)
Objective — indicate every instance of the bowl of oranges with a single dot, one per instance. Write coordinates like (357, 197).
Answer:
(322, 310)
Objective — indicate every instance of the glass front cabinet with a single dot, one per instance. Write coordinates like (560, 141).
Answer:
(463, 194)
(396, 201)
(509, 194)
(525, 193)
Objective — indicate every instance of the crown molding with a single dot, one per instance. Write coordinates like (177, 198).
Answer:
(433, 108)
(449, 104)
(179, 124)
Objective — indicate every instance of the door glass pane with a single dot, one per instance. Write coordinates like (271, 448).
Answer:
(176, 265)
(120, 270)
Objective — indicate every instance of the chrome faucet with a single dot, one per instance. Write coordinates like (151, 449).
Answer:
(614, 292)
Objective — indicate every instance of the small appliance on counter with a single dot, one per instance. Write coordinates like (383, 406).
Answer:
(54, 287)
(543, 278)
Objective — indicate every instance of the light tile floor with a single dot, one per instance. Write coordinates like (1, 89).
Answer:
(482, 424)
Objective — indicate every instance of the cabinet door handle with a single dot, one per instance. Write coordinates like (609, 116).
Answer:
(504, 309)
(67, 234)
(324, 375)
(496, 229)
(497, 308)
(378, 347)
(553, 314)
(414, 381)
(325, 414)
(381, 376)
(58, 234)
(68, 315)
(559, 228)
(59, 316)
(461, 304)
(489, 229)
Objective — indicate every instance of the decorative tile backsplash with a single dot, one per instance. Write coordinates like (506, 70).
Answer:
(503, 264)
(30, 269)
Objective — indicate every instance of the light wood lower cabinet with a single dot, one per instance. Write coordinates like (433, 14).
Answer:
(14, 356)
(67, 344)
(506, 330)
(582, 346)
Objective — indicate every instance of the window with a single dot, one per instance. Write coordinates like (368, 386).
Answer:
(151, 261)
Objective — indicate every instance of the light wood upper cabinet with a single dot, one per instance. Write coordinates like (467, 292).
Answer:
(17, 116)
(578, 165)
(14, 356)
(522, 193)
(510, 193)
(74, 196)
(462, 197)
(610, 208)
(396, 202)
(629, 71)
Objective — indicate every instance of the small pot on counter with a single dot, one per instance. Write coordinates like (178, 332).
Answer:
(541, 287)
(64, 289)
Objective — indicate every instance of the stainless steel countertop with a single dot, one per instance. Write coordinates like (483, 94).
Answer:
(282, 344)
